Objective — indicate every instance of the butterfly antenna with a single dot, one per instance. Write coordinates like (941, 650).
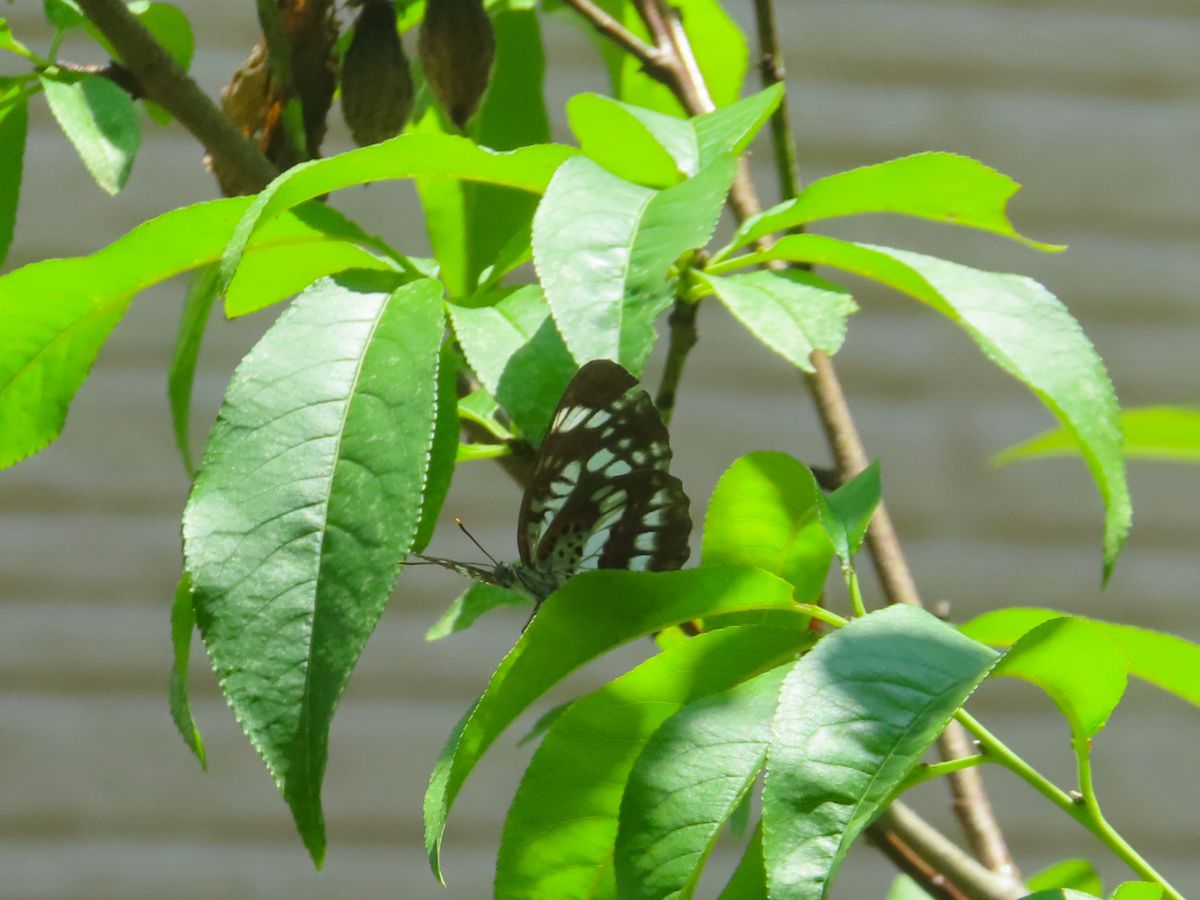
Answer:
(471, 538)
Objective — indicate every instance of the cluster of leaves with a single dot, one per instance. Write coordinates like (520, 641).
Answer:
(340, 432)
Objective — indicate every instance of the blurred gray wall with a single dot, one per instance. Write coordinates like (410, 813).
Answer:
(1094, 105)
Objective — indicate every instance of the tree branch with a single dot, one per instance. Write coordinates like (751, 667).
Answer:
(169, 86)
(653, 59)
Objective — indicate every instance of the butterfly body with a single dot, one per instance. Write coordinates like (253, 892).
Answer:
(600, 496)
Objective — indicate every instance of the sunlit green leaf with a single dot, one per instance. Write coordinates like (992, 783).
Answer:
(854, 716)
(1021, 327)
(56, 314)
(636, 144)
(559, 843)
(904, 888)
(607, 283)
(9, 42)
(730, 129)
(197, 305)
(99, 120)
(308, 497)
(443, 450)
(1137, 890)
(1170, 433)
(1076, 663)
(1078, 874)
(692, 775)
(792, 312)
(943, 187)
(1166, 661)
(749, 879)
(763, 513)
(407, 156)
(590, 615)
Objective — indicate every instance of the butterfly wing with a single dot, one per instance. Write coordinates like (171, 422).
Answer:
(600, 495)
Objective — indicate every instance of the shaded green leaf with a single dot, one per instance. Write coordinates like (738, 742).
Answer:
(99, 120)
(854, 716)
(559, 843)
(791, 312)
(183, 623)
(10, 44)
(607, 283)
(588, 616)
(518, 354)
(477, 600)
(854, 503)
(197, 305)
(1166, 661)
(763, 513)
(443, 451)
(1075, 662)
(62, 14)
(14, 127)
(56, 314)
(308, 497)
(694, 772)
(944, 187)
(407, 156)
(1170, 433)
(749, 879)
(1078, 874)
(1021, 327)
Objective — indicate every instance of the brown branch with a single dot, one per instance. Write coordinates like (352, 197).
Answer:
(771, 71)
(653, 60)
(170, 87)
(683, 338)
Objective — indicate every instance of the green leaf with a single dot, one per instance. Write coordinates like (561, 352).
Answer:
(854, 716)
(638, 145)
(56, 314)
(201, 295)
(14, 125)
(518, 354)
(944, 187)
(1170, 433)
(763, 514)
(10, 44)
(443, 452)
(62, 14)
(791, 312)
(731, 129)
(1166, 661)
(308, 497)
(276, 273)
(904, 888)
(1076, 663)
(854, 503)
(1059, 894)
(169, 26)
(1020, 326)
(590, 615)
(559, 843)
(1078, 874)
(1137, 890)
(749, 879)
(694, 772)
(183, 623)
(477, 600)
(99, 120)
(407, 156)
(607, 283)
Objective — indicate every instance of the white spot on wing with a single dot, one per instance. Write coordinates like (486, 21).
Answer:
(647, 540)
(620, 467)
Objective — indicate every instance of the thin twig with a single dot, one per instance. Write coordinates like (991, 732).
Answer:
(170, 87)
(651, 58)
(771, 71)
(971, 804)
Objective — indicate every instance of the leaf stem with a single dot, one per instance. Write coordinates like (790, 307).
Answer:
(856, 597)
(1085, 810)
(822, 614)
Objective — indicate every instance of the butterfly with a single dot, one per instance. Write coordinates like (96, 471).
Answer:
(600, 496)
